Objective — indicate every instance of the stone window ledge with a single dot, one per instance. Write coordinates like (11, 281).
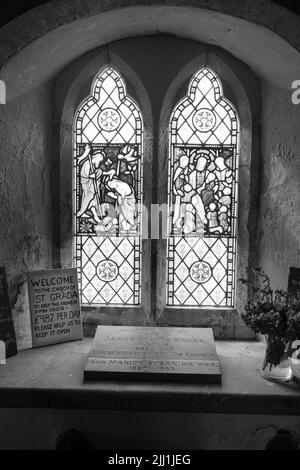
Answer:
(52, 377)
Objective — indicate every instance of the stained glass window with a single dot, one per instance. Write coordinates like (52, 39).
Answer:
(108, 157)
(203, 164)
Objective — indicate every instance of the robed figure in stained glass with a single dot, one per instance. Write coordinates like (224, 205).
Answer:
(203, 164)
(99, 185)
(189, 209)
(108, 156)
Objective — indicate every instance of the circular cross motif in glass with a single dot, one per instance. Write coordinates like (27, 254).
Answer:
(204, 120)
(109, 120)
(107, 270)
(200, 272)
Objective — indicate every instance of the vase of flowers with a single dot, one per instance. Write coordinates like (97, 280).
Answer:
(276, 315)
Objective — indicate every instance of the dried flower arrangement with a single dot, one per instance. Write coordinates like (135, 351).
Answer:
(274, 313)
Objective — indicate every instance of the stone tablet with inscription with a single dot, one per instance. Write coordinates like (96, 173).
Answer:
(153, 353)
(54, 306)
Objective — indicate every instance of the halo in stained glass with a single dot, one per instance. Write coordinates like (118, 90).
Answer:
(204, 120)
(107, 270)
(109, 120)
(200, 272)
(203, 173)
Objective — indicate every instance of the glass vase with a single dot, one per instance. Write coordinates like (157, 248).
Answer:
(276, 365)
(294, 359)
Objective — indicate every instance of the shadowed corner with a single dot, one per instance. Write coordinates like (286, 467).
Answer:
(282, 440)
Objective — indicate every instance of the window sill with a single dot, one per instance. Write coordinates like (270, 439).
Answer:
(52, 377)
(226, 323)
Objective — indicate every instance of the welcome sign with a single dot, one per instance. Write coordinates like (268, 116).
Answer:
(54, 306)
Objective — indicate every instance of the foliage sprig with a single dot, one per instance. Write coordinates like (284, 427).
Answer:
(274, 313)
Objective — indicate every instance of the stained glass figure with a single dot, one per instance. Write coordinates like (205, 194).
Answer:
(203, 164)
(108, 157)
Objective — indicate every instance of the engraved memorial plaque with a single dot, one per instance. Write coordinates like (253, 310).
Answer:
(153, 353)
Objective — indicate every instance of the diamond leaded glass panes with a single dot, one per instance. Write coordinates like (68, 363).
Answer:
(203, 163)
(108, 155)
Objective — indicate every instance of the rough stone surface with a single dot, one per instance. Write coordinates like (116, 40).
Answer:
(280, 198)
(263, 12)
(242, 34)
(25, 237)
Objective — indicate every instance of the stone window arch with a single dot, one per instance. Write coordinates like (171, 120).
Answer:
(242, 89)
(72, 93)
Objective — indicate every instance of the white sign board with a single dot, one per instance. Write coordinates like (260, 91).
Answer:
(2, 353)
(54, 306)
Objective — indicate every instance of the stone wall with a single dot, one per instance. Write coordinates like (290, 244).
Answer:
(280, 198)
(41, 20)
(25, 202)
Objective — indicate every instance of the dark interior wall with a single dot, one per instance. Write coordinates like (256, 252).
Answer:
(110, 430)
(11, 10)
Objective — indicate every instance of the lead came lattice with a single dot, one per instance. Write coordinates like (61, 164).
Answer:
(108, 157)
(203, 164)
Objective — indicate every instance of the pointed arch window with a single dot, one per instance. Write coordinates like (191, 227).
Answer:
(203, 171)
(108, 159)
